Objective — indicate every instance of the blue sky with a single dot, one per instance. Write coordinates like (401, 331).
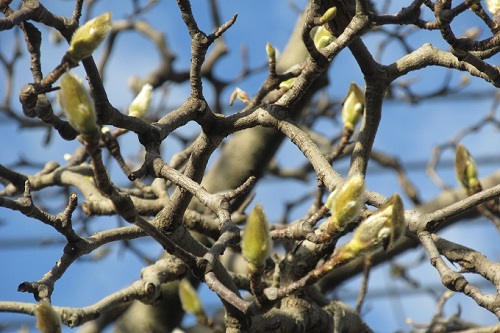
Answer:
(410, 133)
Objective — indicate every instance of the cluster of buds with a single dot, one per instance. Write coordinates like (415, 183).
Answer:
(466, 170)
(77, 104)
(353, 106)
(382, 229)
(322, 37)
(88, 37)
(256, 241)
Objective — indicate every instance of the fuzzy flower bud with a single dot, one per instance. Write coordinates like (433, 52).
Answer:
(346, 202)
(47, 319)
(77, 105)
(140, 105)
(466, 170)
(271, 52)
(189, 298)
(381, 229)
(256, 243)
(353, 106)
(89, 36)
(322, 37)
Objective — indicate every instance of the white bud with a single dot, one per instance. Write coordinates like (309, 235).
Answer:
(140, 105)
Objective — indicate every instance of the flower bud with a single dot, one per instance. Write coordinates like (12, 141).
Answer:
(140, 105)
(89, 36)
(47, 319)
(77, 105)
(322, 37)
(381, 229)
(466, 170)
(271, 52)
(189, 298)
(346, 202)
(353, 106)
(240, 94)
(256, 242)
(328, 15)
(288, 84)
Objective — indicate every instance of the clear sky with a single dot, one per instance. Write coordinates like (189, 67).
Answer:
(408, 131)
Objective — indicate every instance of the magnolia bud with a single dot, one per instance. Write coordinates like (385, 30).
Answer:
(89, 36)
(328, 15)
(189, 298)
(140, 105)
(353, 106)
(288, 84)
(240, 94)
(385, 226)
(346, 202)
(256, 242)
(47, 319)
(466, 170)
(77, 105)
(322, 37)
(381, 229)
(271, 52)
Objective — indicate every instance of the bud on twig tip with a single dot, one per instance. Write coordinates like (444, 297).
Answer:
(76, 104)
(346, 202)
(328, 15)
(140, 105)
(256, 241)
(89, 36)
(353, 106)
(271, 52)
(322, 37)
(466, 170)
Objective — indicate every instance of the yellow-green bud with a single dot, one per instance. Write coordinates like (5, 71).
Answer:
(271, 52)
(47, 319)
(77, 105)
(346, 202)
(89, 36)
(381, 229)
(353, 106)
(256, 242)
(322, 37)
(288, 84)
(189, 298)
(328, 15)
(140, 105)
(466, 170)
